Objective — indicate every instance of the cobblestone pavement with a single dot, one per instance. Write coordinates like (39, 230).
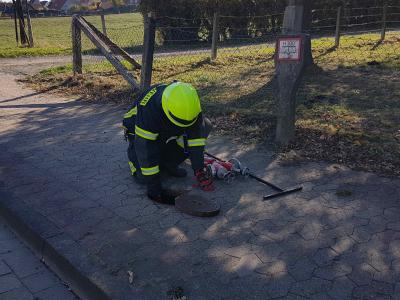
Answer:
(23, 276)
(338, 239)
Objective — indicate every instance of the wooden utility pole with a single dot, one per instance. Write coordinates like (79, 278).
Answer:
(293, 55)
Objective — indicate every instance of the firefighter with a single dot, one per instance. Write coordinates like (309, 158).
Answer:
(164, 127)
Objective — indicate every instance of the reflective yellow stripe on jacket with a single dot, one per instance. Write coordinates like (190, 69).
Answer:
(132, 167)
(150, 171)
(145, 134)
(197, 143)
(131, 113)
(191, 143)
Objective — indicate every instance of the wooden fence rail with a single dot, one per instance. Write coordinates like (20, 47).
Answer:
(109, 49)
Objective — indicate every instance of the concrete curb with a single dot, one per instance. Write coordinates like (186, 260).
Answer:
(59, 264)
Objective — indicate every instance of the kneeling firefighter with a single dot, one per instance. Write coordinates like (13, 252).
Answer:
(164, 127)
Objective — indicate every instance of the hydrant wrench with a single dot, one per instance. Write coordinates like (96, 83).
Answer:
(280, 191)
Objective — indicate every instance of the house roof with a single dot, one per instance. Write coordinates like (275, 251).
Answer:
(57, 4)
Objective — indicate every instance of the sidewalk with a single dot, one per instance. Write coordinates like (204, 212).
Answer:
(23, 276)
(63, 163)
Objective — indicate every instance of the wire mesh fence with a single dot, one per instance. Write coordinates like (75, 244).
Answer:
(244, 44)
(356, 35)
(129, 38)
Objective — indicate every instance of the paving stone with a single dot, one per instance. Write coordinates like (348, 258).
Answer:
(310, 287)
(9, 245)
(280, 286)
(4, 269)
(239, 251)
(273, 269)
(303, 269)
(362, 275)
(333, 271)
(382, 288)
(20, 293)
(342, 288)
(247, 264)
(325, 256)
(40, 281)
(396, 294)
(79, 179)
(311, 230)
(22, 262)
(343, 245)
(8, 282)
(368, 292)
(5, 234)
(58, 292)
(290, 296)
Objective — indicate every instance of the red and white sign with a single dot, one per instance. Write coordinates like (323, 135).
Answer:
(289, 48)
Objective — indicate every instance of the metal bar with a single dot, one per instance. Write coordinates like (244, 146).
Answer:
(283, 193)
(250, 175)
(265, 182)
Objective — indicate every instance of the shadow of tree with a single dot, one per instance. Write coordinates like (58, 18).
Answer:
(65, 160)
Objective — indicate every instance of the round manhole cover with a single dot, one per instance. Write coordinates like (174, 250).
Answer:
(196, 205)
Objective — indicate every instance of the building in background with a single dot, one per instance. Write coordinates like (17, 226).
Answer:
(68, 5)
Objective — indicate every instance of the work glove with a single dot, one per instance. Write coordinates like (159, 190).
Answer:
(156, 193)
(204, 180)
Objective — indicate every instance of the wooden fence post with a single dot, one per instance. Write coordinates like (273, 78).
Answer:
(76, 47)
(384, 18)
(103, 24)
(15, 22)
(338, 24)
(28, 20)
(20, 15)
(293, 54)
(215, 37)
(148, 51)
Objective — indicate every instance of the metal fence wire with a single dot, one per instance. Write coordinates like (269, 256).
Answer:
(224, 51)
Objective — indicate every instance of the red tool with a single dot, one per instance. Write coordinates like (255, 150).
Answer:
(228, 170)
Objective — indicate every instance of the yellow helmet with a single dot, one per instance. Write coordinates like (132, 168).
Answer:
(181, 104)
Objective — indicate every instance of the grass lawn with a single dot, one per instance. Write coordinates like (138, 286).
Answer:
(348, 103)
(53, 35)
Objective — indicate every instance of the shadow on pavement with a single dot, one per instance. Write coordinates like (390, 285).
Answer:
(340, 237)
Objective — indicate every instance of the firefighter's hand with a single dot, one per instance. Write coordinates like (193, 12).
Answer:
(204, 180)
